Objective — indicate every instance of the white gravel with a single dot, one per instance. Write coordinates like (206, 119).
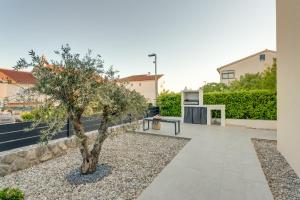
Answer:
(282, 179)
(133, 160)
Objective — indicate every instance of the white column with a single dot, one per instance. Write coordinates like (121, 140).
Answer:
(208, 115)
(223, 116)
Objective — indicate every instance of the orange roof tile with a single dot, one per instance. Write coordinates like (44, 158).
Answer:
(18, 76)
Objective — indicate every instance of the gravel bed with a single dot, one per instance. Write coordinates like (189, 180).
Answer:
(282, 179)
(130, 162)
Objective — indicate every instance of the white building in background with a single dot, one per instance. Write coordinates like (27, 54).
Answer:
(145, 85)
(288, 81)
(12, 84)
(252, 64)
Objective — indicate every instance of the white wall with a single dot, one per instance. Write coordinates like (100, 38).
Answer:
(147, 88)
(288, 53)
(11, 90)
(250, 123)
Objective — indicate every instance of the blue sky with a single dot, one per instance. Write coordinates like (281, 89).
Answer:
(191, 37)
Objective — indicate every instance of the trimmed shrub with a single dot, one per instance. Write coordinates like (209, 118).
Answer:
(11, 194)
(169, 104)
(27, 116)
(255, 104)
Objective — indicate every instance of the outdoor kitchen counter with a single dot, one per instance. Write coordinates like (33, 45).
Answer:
(209, 109)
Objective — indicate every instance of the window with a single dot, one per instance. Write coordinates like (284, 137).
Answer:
(230, 74)
(262, 57)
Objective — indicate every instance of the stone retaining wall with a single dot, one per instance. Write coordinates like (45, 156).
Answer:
(25, 157)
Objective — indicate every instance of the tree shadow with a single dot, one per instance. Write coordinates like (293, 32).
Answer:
(76, 178)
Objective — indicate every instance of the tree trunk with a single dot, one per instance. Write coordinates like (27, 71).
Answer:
(89, 163)
(86, 166)
(90, 159)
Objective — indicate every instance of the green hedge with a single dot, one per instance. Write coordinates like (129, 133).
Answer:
(256, 104)
(11, 194)
(27, 116)
(169, 104)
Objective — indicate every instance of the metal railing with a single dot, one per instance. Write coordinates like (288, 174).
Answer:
(15, 135)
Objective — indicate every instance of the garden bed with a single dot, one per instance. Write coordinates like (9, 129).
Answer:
(282, 179)
(132, 161)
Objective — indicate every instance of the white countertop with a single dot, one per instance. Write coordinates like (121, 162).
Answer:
(207, 106)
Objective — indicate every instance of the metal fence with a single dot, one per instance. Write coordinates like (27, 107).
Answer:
(14, 135)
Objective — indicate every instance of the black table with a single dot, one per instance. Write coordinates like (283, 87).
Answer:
(176, 123)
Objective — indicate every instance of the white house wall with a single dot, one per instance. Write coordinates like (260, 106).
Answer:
(288, 75)
(147, 88)
(11, 90)
(250, 65)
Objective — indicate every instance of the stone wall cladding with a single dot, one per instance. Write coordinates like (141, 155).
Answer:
(25, 157)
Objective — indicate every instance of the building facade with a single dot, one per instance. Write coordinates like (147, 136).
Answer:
(145, 85)
(13, 83)
(252, 64)
(288, 82)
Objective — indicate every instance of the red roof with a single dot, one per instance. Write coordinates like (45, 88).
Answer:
(18, 76)
(142, 77)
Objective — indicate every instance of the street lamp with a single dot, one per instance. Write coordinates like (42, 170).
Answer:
(155, 63)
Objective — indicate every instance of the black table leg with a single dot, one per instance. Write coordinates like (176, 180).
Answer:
(145, 129)
(177, 131)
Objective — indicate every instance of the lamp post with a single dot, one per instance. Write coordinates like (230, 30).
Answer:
(155, 63)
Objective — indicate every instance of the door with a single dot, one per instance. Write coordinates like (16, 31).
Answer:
(203, 115)
(196, 115)
(188, 115)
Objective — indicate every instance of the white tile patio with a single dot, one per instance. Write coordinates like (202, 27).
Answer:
(218, 163)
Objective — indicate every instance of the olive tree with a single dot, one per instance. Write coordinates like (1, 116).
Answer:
(74, 86)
